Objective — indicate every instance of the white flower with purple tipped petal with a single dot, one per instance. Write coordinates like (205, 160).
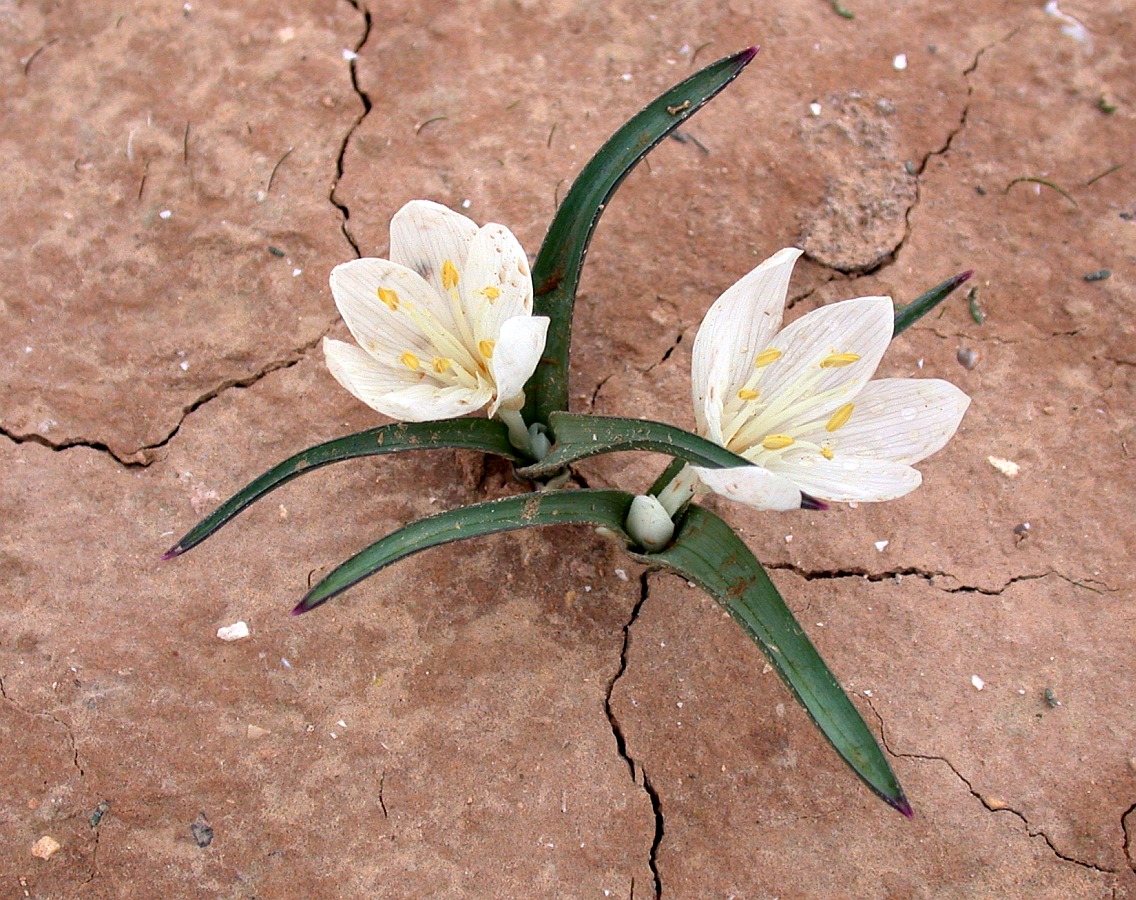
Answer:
(798, 404)
(445, 326)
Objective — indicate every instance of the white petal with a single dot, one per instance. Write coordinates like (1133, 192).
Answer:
(899, 419)
(426, 401)
(364, 376)
(751, 485)
(378, 329)
(497, 261)
(424, 235)
(848, 478)
(519, 346)
(862, 327)
(740, 324)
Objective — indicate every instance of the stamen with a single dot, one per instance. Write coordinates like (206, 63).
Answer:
(449, 275)
(840, 417)
(826, 452)
(441, 364)
(747, 394)
(777, 442)
(490, 293)
(765, 357)
(839, 360)
(485, 348)
(409, 360)
(389, 297)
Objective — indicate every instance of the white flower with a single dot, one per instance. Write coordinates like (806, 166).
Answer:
(797, 403)
(445, 326)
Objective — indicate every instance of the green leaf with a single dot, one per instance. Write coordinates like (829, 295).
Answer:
(906, 316)
(708, 552)
(486, 435)
(580, 436)
(556, 273)
(607, 508)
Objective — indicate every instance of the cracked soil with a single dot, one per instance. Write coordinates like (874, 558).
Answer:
(532, 715)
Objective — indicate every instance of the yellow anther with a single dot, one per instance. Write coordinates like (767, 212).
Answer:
(826, 452)
(389, 297)
(839, 360)
(485, 348)
(409, 360)
(840, 417)
(777, 442)
(441, 364)
(765, 357)
(490, 293)
(747, 394)
(449, 275)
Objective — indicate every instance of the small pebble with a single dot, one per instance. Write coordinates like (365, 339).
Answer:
(235, 632)
(1022, 531)
(164, 214)
(350, 55)
(46, 847)
(97, 816)
(275, 251)
(967, 358)
(900, 62)
(201, 830)
(978, 683)
(252, 732)
(1007, 467)
(882, 545)
(814, 108)
(1099, 275)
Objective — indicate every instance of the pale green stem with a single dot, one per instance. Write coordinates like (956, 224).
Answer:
(519, 435)
(679, 491)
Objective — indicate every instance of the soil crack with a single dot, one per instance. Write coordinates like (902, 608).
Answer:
(990, 804)
(637, 772)
(365, 100)
(929, 577)
(74, 747)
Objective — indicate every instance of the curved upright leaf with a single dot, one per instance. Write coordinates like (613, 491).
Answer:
(580, 436)
(906, 316)
(556, 273)
(706, 551)
(606, 508)
(486, 435)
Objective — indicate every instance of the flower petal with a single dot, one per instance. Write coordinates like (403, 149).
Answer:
(520, 343)
(799, 389)
(751, 485)
(424, 234)
(496, 284)
(899, 419)
(383, 332)
(740, 324)
(362, 375)
(847, 478)
(427, 401)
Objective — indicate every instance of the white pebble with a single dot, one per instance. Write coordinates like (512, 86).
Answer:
(164, 214)
(900, 62)
(350, 55)
(978, 683)
(814, 108)
(466, 204)
(620, 574)
(1007, 467)
(296, 273)
(234, 632)
(882, 545)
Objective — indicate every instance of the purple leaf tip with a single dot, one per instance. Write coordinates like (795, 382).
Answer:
(298, 609)
(171, 553)
(901, 805)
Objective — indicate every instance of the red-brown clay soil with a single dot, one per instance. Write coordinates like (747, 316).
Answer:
(532, 715)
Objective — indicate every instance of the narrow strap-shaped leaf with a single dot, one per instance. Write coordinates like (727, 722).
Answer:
(607, 508)
(556, 272)
(486, 435)
(706, 551)
(906, 316)
(580, 436)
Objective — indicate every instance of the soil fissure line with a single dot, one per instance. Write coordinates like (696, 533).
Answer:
(636, 769)
(365, 100)
(990, 806)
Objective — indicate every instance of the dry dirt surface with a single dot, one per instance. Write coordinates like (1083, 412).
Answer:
(532, 715)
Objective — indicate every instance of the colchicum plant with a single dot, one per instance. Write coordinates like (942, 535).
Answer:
(455, 323)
